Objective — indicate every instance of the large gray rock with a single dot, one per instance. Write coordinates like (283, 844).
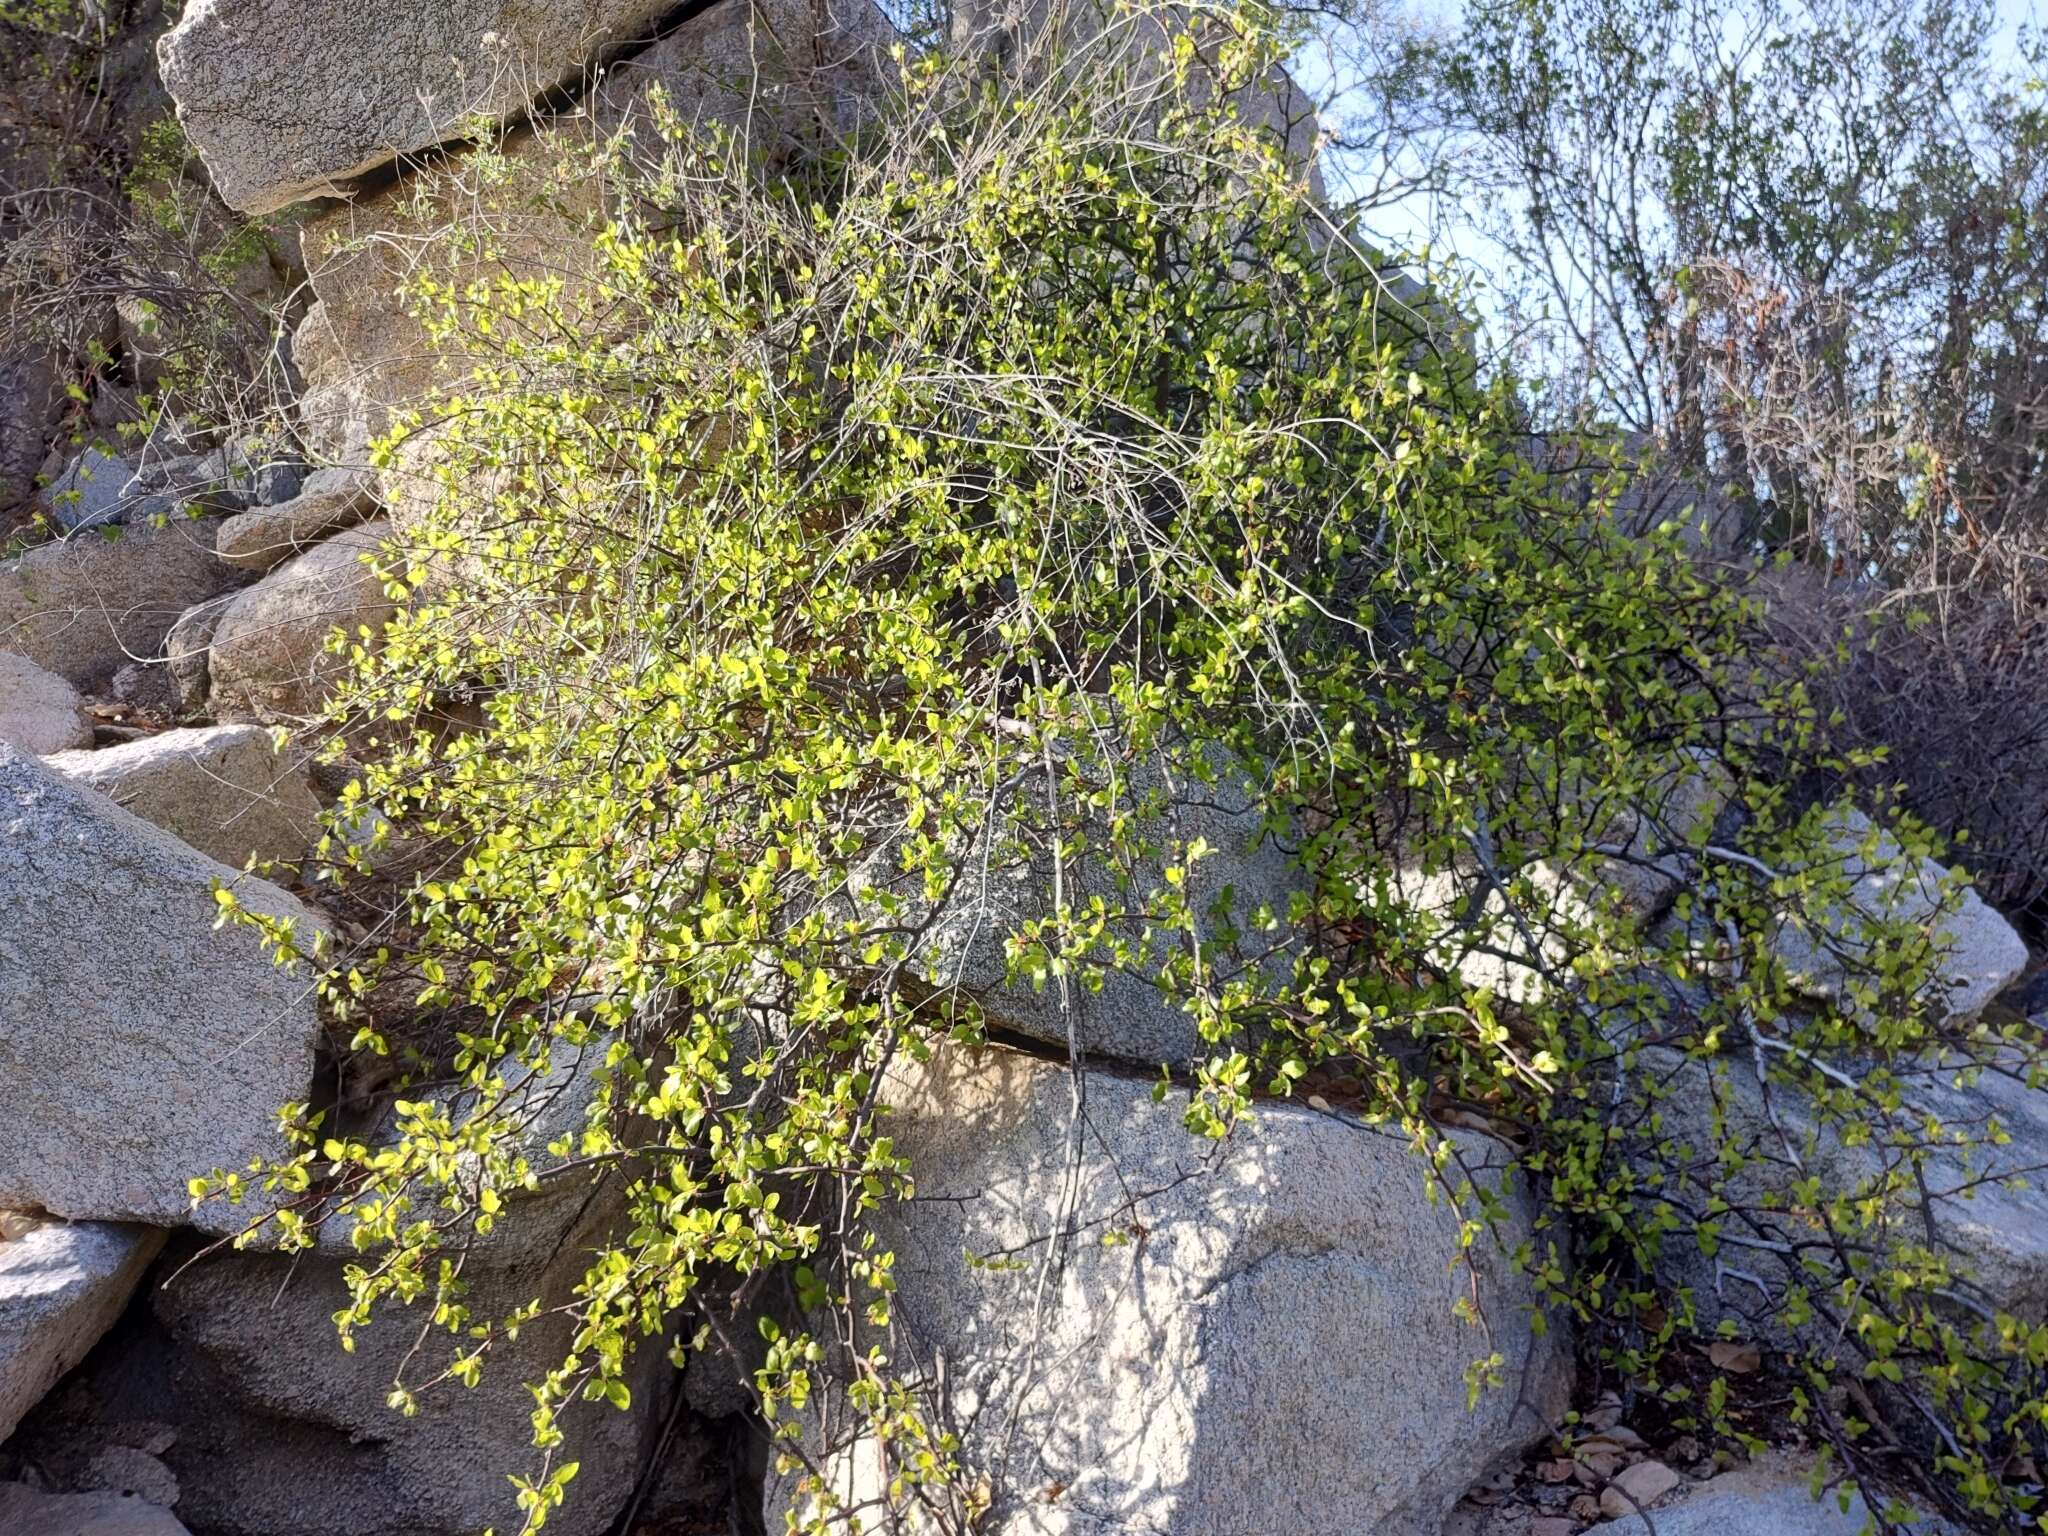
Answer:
(1007, 879)
(86, 606)
(1990, 1215)
(39, 712)
(777, 73)
(143, 1044)
(1980, 954)
(285, 102)
(62, 1284)
(332, 499)
(364, 355)
(1252, 1336)
(268, 656)
(282, 1433)
(28, 1510)
(224, 789)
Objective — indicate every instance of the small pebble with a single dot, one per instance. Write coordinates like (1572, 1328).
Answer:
(1637, 1487)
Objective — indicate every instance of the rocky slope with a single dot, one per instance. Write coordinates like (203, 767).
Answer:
(1277, 1348)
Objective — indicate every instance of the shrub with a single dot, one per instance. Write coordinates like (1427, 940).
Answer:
(944, 494)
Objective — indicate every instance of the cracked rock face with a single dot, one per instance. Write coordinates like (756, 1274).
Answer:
(141, 1044)
(1283, 1300)
(289, 99)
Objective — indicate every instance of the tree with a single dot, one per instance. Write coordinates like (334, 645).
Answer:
(1793, 252)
